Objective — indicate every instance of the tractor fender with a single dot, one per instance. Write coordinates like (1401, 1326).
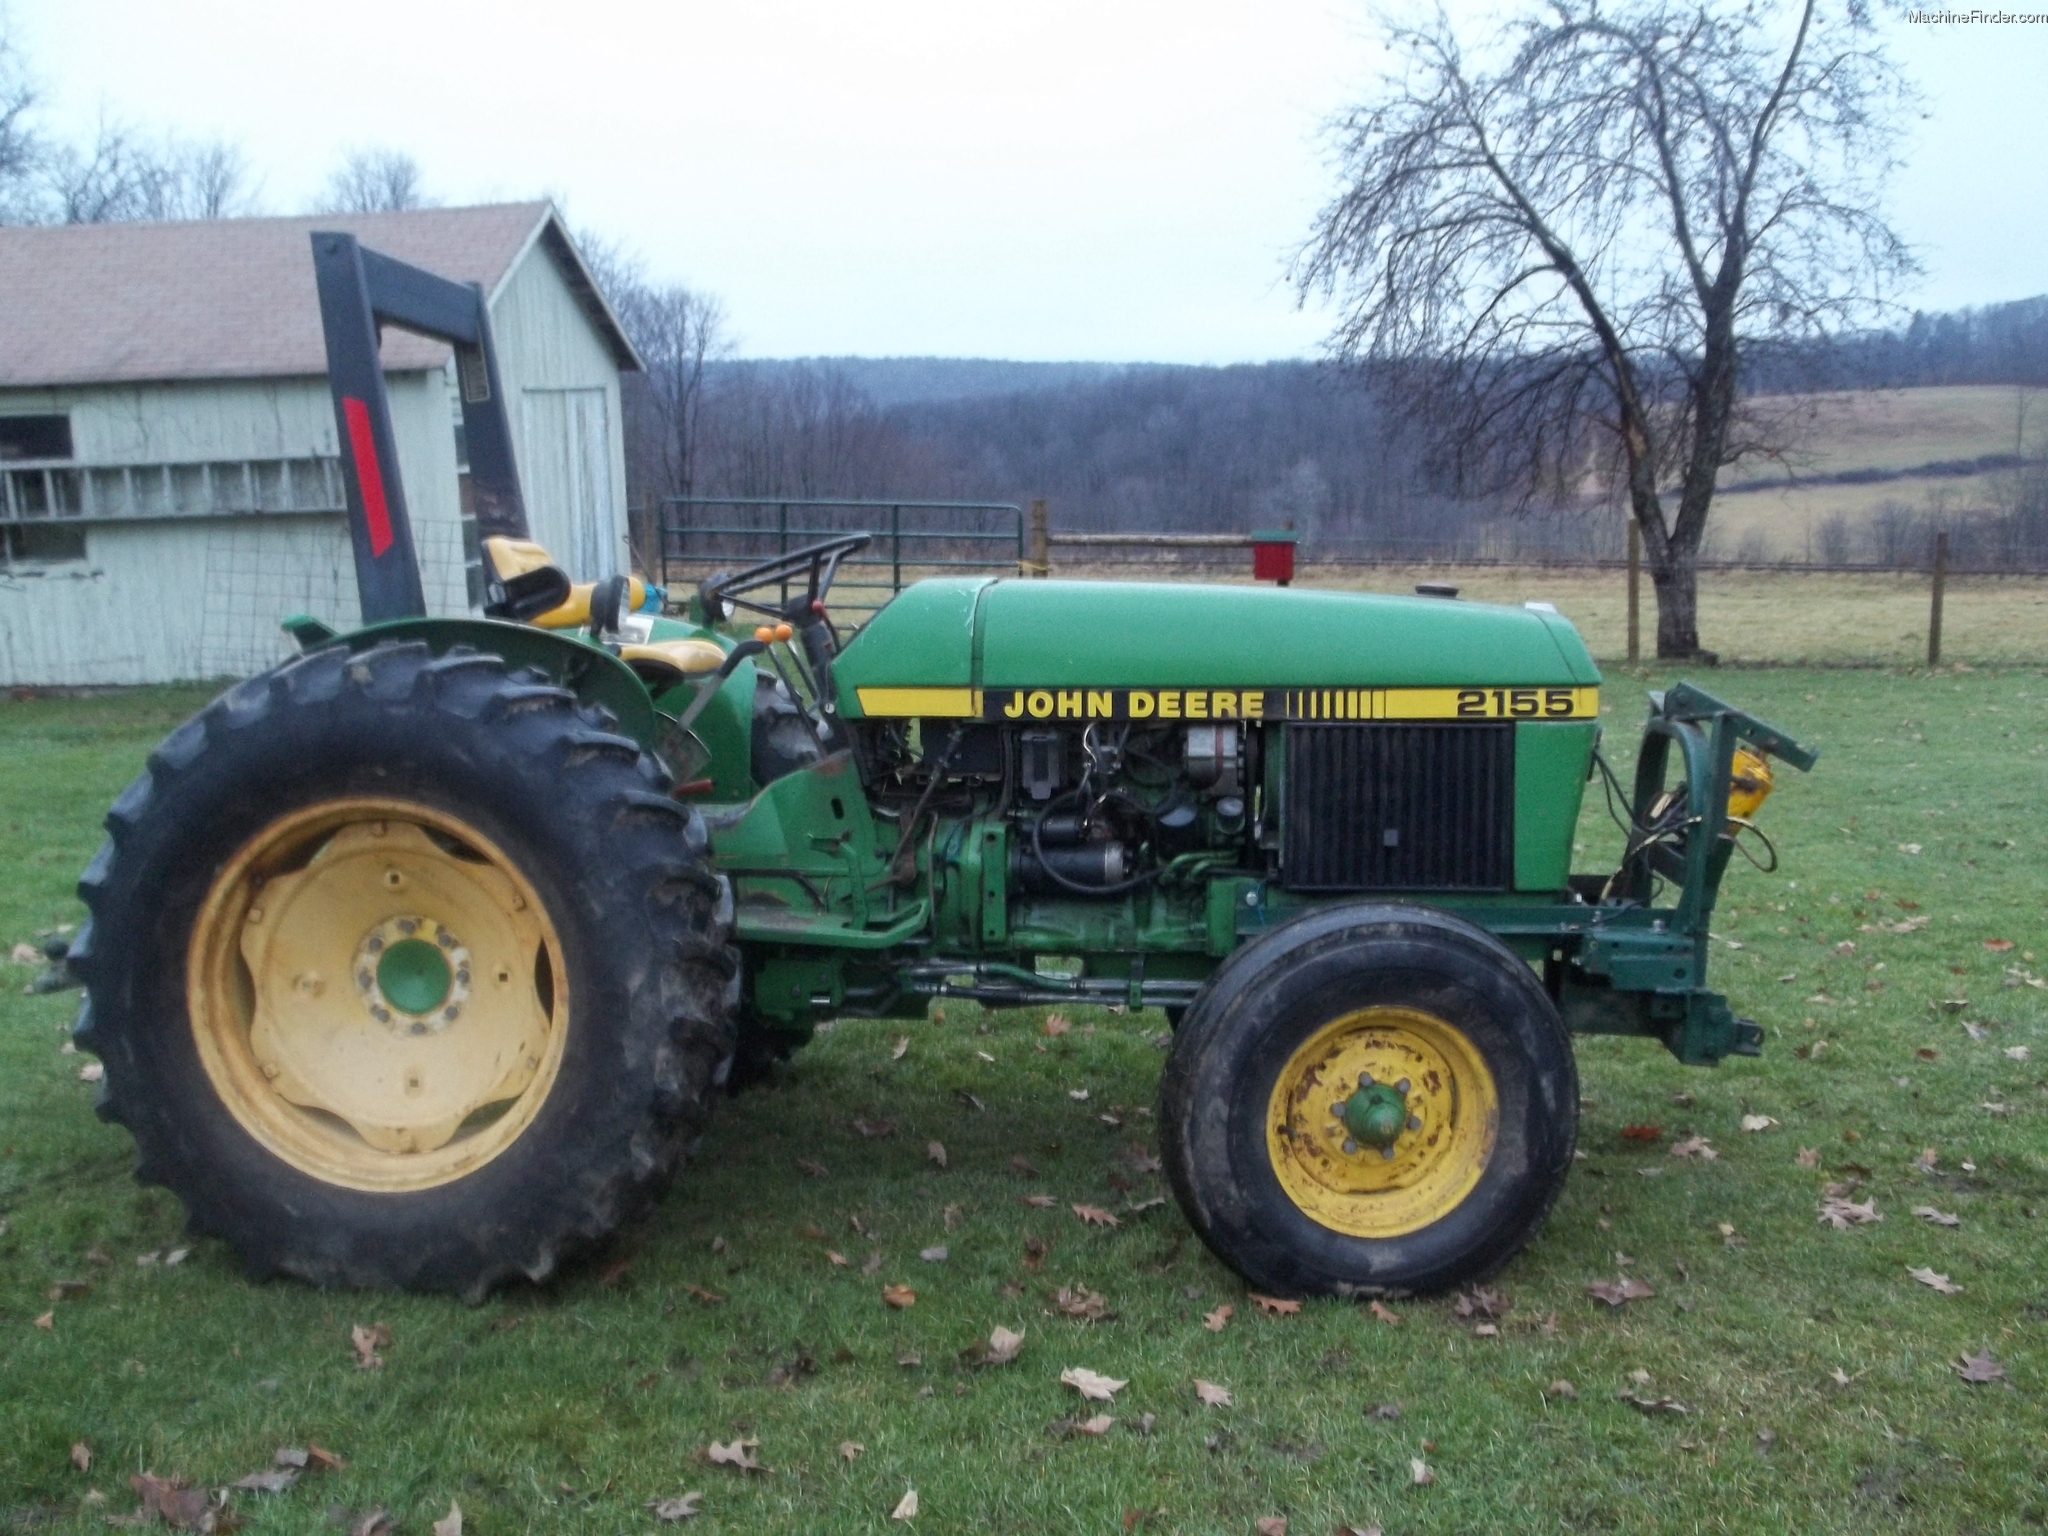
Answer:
(590, 672)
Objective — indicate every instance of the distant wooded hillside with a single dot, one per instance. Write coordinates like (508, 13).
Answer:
(1141, 447)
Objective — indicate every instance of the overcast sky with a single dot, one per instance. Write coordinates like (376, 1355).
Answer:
(1120, 180)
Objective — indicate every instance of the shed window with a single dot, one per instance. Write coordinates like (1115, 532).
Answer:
(35, 437)
(42, 544)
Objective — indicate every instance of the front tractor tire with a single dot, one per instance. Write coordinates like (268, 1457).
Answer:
(1369, 1100)
(406, 971)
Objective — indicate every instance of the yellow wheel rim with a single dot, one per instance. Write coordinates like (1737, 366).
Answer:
(377, 994)
(1450, 1115)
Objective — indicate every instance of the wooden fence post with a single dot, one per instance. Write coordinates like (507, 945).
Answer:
(1635, 586)
(1041, 540)
(1940, 582)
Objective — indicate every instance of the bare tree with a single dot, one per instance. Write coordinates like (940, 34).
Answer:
(20, 147)
(1563, 262)
(127, 177)
(375, 181)
(679, 333)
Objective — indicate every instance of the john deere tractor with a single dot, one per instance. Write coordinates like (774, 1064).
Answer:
(420, 960)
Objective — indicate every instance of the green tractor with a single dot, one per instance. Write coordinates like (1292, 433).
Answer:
(419, 960)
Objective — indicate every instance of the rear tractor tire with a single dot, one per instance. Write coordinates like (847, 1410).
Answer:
(406, 972)
(1369, 1100)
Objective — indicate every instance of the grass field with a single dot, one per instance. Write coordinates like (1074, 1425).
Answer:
(1877, 429)
(1818, 1376)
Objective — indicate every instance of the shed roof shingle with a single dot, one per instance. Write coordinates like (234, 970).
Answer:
(234, 298)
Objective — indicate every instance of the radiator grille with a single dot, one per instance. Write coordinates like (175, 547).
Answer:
(1399, 807)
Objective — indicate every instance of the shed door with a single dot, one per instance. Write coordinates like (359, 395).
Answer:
(568, 475)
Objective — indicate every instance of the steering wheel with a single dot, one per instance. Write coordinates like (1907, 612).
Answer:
(818, 563)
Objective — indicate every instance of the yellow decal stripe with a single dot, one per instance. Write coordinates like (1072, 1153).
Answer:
(952, 703)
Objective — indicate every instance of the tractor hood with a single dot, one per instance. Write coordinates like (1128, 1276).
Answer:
(942, 644)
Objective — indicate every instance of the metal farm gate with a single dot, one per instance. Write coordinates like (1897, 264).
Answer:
(704, 534)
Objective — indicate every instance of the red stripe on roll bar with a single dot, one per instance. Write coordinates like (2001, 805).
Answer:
(368, 475)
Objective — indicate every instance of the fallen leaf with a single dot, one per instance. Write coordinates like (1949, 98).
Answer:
(1642, 1133)
(875, 1130)
(323, 1458)
(984, 1055)
(1615, 1292)
(450, 1524)
(2017, 1053)
(1486, 1331)
(47, 1322)
(1383, 1312)
(1927, 1160)
(64, 1290)
(273, 1480)
(1419, 1472)
(1139, 1207)
(936, 1254)
(168, 1499)
(1809, 1157)
(1098, 1426)
(376, 1523)
(872, 1264)
(816, 1170)
(92, 1072)
(1078, 1095)
(836, 1257)
(1655, 1405)
(1275, 1306)
(1909, 847)
(1757, 1122)
(1387, 1411)
(1840, 1377)
(1035, 1250)
(1694, 1146)
(1561, 1388)
(1095, 1215)
(738, 1454)
(1212, 1395)
(1091, 1384)
(708, 1298)
(81, 1455)
(1841, 1213)
(1218, 1320)
(1022, 1164)
(1055, 1024)
(1979, 1368)
(1043, 1202)
(24, 954)
(901, 1047)
(935, 1151)
(367, 1342)
(1998, 946)
(906, 1507)
(1270, 1525)
(1079, 1301)
(1939, 1218)
(1927, 1277)
(683, 1507)
(850, 1450)
(899, 1296)
(1480, 1301)
(1002, 1346)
